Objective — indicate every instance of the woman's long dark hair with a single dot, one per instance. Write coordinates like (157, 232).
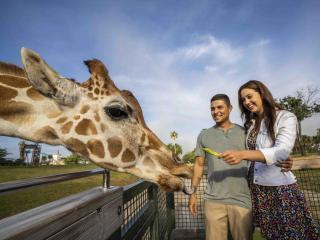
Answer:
(269, 107)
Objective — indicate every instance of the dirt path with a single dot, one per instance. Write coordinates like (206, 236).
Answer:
(306, 162)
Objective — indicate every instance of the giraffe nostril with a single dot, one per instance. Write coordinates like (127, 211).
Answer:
(182, 175)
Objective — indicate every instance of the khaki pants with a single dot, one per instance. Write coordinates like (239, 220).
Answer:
(220, 217)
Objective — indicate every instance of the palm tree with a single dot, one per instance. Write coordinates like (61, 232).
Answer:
(174, 136)
(175, 148)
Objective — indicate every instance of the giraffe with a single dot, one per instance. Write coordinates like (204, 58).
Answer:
(94, 120)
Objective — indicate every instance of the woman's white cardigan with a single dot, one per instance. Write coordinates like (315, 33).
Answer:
(268, 174)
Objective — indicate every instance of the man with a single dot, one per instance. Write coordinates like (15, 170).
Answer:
(227, 196)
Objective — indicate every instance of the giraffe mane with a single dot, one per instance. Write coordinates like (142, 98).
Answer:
(11, 69)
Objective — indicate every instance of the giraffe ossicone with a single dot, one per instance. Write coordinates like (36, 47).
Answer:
(93, 119)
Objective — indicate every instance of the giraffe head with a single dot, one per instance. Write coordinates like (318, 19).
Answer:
(99, 122)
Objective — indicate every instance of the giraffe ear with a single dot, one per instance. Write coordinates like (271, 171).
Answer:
(48, 81)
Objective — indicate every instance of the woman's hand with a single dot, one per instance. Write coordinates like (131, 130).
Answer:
(285, 165)
(232, 157)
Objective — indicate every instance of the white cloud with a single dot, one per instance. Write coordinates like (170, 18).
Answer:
(212, 48)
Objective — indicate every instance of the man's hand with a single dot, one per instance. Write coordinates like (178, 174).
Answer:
(285, 165)
(232, 157)
(193, 206)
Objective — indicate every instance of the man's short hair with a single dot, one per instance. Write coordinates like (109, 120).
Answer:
(223, 97)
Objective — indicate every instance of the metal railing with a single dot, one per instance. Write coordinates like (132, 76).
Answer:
(146, 211)
(27, 183)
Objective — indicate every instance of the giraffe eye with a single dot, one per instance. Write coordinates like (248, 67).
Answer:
(116, 112)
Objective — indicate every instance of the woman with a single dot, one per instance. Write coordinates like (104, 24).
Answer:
(279, 206)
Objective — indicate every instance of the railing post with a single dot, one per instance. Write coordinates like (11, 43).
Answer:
(153, 196)
(170, 211)
(106, 179)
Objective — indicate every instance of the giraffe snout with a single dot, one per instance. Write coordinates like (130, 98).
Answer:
(182, 170)
(170, 183)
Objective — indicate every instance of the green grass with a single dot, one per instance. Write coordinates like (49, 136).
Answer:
(13, 203)
(257, 235)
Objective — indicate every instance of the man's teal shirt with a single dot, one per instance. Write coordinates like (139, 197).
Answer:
(227, 184)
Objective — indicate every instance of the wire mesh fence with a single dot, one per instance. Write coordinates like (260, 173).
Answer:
(184, 219)
(133, 209)
(147, 212)
(308, 180)
(309, 183)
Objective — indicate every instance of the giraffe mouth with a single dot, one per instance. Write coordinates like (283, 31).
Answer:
(173, 183)
(170, 183)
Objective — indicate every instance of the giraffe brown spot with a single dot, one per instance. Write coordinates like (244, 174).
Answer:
(96, 148)
(14, 81)
(90, 88)
(17, 112)
(7, 94)
(34, 94)
(77, 117)
(86, 127)
(54, 114)
(66, 127)
(96, 116)
(154, 142)
(84, 109)
(47, 133)
(96, 91)
(11, 69)
(77, 146)
(148, 162)
(90, 95)
(97, 83)
(128, 156)
(62, 120)
(143, 137)
(103, 127)
(114, 146)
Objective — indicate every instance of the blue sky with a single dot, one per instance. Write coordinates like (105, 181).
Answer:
(174, 55)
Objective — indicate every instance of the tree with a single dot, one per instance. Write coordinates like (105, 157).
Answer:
(304, 104)
(3, 154)
(316, 138)
(174, 135)
(73, 159)
(4, 160)
(175, 148)
(189, 157)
